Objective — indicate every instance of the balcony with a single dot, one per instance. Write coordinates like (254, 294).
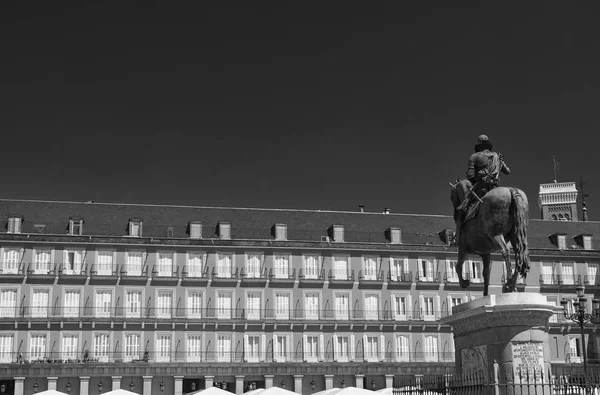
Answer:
(451, 280)
(311, 279)
(225, 276)
(253, 278)
(279, 278)
(12, 273)
(165, 275)
(104, 274)
(133, 274)
(41, 273)
(341, 278)
(194, 276)
(72, 275)
(563, 282)
(430, 281)
(591, 280)
(428, 315)
(400, 281)
(370, 279)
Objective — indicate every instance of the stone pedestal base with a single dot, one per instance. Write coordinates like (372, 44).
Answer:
(503, 339)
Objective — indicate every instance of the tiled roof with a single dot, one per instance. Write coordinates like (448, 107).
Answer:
(252, 223)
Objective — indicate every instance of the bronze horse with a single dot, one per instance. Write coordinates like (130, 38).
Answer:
(502, 216)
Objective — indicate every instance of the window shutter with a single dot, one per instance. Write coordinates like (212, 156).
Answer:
(364, 347)
(305, 347)
(246, 347)
(321, 347)
(421, 304)
(275, 348)
(409, 307)
(420, 263)
(437, 307)
(394, 307)
(381, 347)
(336, 352)
(449, 304)
(65, 259)
(263, 347)
(352, 347)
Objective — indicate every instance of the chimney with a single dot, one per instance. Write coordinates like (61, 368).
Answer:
(386, 210)
(361, 208)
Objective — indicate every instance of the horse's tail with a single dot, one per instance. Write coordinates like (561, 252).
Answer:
(519, 212)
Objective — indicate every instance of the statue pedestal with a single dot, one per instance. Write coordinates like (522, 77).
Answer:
(502, 340)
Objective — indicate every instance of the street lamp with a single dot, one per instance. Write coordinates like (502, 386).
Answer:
(100, 387)
(580, 317)
(162, 386)
(131, 385)
(35, 387)
(193, 386)
(3, 388)
(283, 384)
(69, 387)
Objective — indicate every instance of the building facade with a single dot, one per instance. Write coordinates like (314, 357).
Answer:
(172, 299)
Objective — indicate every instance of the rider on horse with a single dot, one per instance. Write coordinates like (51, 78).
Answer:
(482, 176)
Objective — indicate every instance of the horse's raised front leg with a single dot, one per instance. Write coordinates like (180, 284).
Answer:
(485, 258)
(511, 279)
(462, 255)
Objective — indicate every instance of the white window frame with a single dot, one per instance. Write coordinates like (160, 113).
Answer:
(101, 350)
(76, 224)
(71, 308)
(402, 314)
(399, 268)
(224, 312)
(7, 346)
(371, 313)
(131, 350)
(40, 351)
(69, 351)
(43, 259)
(131, 264)
(130, 306)
(40, 311)
(281, 340)
(9, 304)
(281, 266)
(105, 268)
(370, 271)
(165, 263)
(312, 266)
(339, 313)
(194, 303)
(253, 264)
(280, 312)
(223, 347)
(253, 312)
(194, 344)
(75, 267)
(341, 267)
(431, 352)
(163, 346)
(225, 268)
(195, 230)
(313, 347)
(164, 311)
(255, 346)
(102, 310)
(310, 313)
(568, 276)
(11, 259)
(402, 353)
(15, 223)
(427, 269)
(135, 228)
(341, 347)
(196, 261)
(593, 270)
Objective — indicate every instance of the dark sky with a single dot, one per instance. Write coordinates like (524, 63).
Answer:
(322, 105)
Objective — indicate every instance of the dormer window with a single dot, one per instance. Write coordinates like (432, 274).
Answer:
(224, 230)
(394, 235)
(14, 223)
(75, 226)
(135, 227)
(195, 230)
(336, 232)
(279, 231)
(562, 242)
(584, 241)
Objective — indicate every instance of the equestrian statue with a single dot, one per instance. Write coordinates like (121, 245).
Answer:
(487, 216)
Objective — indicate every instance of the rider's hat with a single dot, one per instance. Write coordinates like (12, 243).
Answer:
(483, 142)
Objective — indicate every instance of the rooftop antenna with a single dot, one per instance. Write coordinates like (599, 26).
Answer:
(583, 196)
(555, 167)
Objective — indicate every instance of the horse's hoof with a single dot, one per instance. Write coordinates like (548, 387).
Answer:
(465, 283)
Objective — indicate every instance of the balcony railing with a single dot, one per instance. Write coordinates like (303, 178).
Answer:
(97, 270)
(165, 271)
(318, 275)
(591, 279)
(68, 270)
(433, 278)
(278, 274)
(12, 269)
(198, 355)
(44, 269)
(368, 275)
(194, 272)
(451, 277)
(341, 275)
(400, 278)
(256, 274)
(134, 270)
(224, 273)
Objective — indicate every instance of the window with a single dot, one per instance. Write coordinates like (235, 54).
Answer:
(163, 347)
(311, 306)
(451, 275)
(133, 304)
(223, 348)
(311, 266)
(37, 347)
(399, 269)
(253, 266)
(282, 266)
(371, 348)
(224, 266)
(224, 230)
(568, 277)
(547, 273)
(132, 347)
(104, 263)
(340, 268)
(401, 305)
(574, 349)
(341, 348)
(402, 348)
(103, 303)
(224, 304)
(14, 224)
(195, 266)
(194, 304)
(8, 303)
(12, 261)
(338, 233)
(427, 308)
(71, 303)
(592, 273)
(342, 307)
(101, 346)
(254, 348)
(312, 348)
(164, 305)
(41, 262)
(135, 227)
(281, 345)
(134, 263)
(75, 227)
(194, 348)
(39, 303)
(394, 235)
(426, 270)
(195, 230)
(253, 306)
(554, 301)
(369, 268)
(371, 307)
(562, 242)
(431, 348)
(452, 301)
(474, 271)
(72, 262)
(69, 347)
(587, 242)
(165, 265)
(6, 347)
(280, 232)
(282, 306)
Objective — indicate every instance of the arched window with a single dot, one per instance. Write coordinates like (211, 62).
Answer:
(567, 217)
(553, 218)
(560, 217)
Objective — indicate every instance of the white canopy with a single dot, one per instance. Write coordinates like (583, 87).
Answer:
(210, 391)
(51, 392)
(345, 391)
(270, 391)
(120, 392)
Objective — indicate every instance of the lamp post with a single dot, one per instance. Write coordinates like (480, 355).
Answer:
(580, 317)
